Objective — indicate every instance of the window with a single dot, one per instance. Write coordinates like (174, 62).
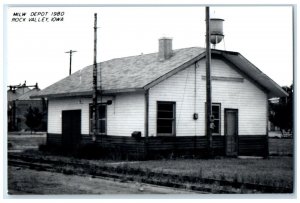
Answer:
(101, 119)
(166, 118)
(216, 111)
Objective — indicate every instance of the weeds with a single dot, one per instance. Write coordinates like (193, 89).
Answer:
(93, 170)
(68, 171)
(222, 177)
(200, 174)
(275, 171)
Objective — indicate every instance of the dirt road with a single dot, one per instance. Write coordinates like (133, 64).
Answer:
(27, 181)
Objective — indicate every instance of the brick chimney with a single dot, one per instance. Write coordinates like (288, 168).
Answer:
(165, 49)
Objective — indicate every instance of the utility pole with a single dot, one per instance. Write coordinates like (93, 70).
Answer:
(208, 85)
(95, 113)
(70, 52)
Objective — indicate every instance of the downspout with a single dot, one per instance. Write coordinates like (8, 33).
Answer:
(266, 155)
(195, 116)
(146, 113)
(146, 120)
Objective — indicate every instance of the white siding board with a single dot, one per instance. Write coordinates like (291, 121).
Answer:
(180, 89)
(245, 96)
(126, 114)
(55, 108)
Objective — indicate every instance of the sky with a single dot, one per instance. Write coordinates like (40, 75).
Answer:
(35, 51)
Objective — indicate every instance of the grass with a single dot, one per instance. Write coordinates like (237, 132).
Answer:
(276, 171)
(21, 141)
(281, 146)
(25, 181)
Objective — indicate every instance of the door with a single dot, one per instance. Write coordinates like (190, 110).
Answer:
(71, 128)
(231, 132)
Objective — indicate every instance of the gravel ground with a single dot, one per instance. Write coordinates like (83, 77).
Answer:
(26, 181)
(19, 143)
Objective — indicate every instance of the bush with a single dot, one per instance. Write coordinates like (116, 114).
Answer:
(33, 118)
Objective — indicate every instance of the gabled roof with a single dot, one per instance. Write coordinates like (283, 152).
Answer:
(121, 74)
(144, 71)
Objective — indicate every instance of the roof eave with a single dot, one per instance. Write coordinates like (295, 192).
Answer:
(274, 90)
(88, 93)
(126, 90)
(62, 95)
(273, 94)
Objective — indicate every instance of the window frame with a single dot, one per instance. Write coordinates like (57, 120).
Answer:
(219, 119)
(99, 119)
(220, 116)
(173, 119)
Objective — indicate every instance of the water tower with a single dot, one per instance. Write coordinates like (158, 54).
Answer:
(216, 31)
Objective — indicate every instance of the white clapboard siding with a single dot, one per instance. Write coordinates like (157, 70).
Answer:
(248, 98)
(126, 114)
(55, 108)
(180, 89)
(245, 96)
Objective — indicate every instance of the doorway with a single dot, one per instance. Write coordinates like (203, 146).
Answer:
(231, 132)
(71, 128)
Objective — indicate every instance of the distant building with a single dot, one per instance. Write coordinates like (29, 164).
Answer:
(19, 101)
(271, 126)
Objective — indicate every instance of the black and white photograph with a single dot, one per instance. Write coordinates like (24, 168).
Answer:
(182, 100)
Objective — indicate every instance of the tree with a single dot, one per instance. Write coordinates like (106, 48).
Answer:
(33, 118)
(281, 113)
